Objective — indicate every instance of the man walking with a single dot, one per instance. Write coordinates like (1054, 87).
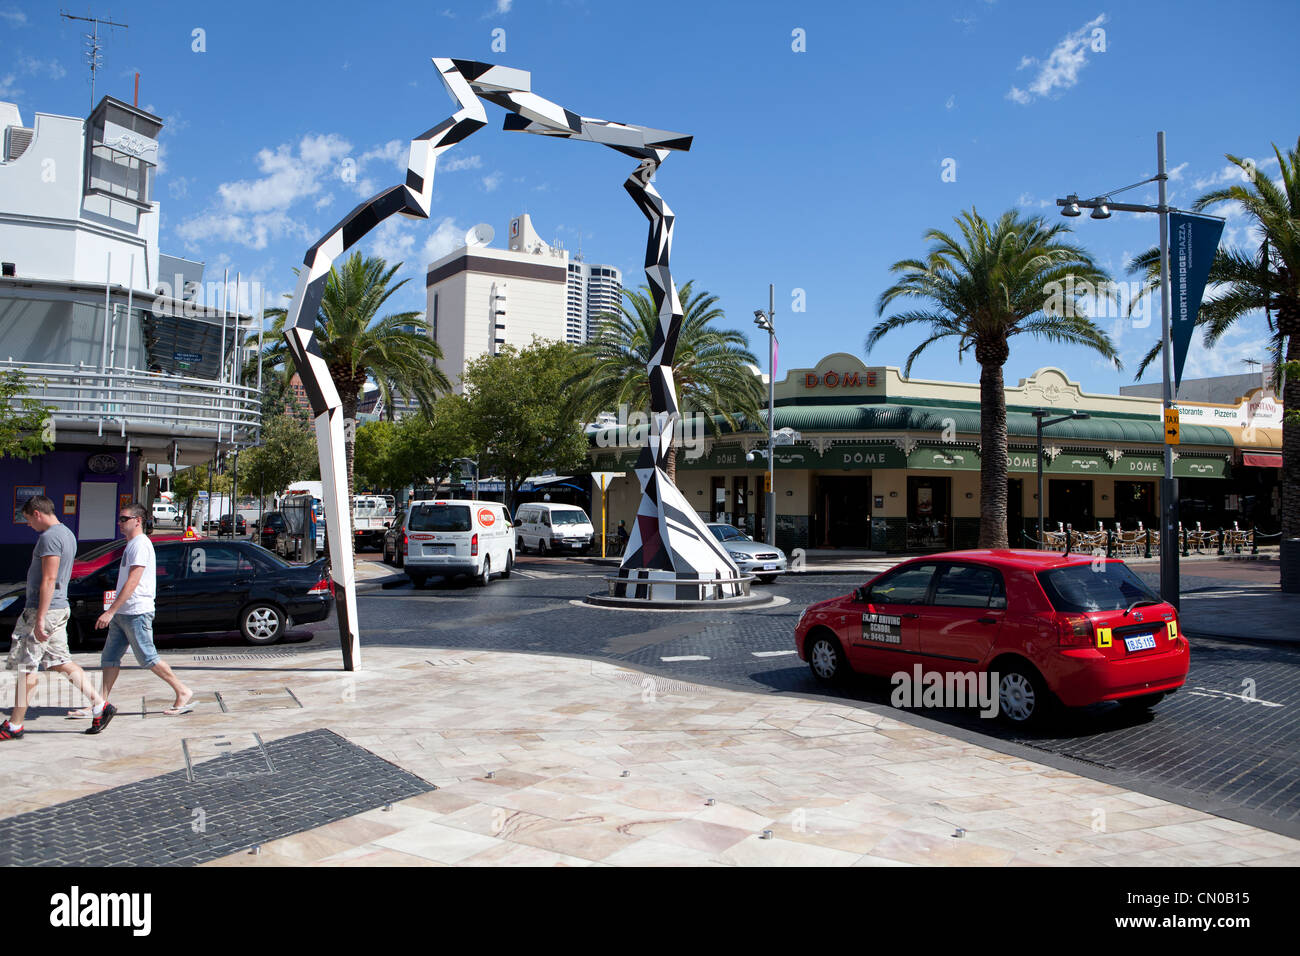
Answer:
(129, 618)
(41, 634)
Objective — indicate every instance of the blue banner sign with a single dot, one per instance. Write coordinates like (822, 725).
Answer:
(1193, 241)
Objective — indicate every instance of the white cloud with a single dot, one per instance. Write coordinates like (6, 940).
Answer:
(7, 89)
(1062, 67)
(288, 177)
(446, 237)
(178, 187)
(15, 16)
(52, 69)
(1232, 174)
(1176, 173)
(457, 163)
(491, 182)
(503, 6)
(324, 201)
(254, 231)
(396, 151)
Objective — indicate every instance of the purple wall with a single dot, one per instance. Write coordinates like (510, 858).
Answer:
(61, 472)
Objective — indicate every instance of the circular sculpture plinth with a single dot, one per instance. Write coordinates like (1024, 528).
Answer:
(642, 604)
(647, 588)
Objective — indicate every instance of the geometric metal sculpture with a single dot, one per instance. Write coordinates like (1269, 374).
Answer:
(669, 544)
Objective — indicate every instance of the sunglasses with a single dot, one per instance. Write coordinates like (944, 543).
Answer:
(125, 517)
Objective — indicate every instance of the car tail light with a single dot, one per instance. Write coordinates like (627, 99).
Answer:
(473, 546)
(1074, 630)
(324, 586)
(404, 549)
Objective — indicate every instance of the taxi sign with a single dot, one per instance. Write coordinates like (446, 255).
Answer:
(1171, 426)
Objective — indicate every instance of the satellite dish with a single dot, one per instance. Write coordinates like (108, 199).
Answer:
(479, 235)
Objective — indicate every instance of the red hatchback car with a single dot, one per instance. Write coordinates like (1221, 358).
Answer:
(1045, 627)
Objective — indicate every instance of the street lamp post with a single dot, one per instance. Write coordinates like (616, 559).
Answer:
(1040, 414)
(1101, 207)
(765, 321)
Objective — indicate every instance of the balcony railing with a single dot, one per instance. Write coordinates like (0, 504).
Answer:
(130, 400)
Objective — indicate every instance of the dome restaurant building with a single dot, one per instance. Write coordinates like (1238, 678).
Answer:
(890, 464)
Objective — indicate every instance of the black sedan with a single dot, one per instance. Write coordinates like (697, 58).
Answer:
(394, 543)
(239, 522)
(273, 524)
(205, 586)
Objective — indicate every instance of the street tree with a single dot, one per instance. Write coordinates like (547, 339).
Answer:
(26, 426)
(520, 418)
(992, 284)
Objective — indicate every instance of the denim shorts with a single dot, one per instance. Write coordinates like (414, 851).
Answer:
(133, 629)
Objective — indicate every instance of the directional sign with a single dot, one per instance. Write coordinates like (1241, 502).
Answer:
(1171, 426)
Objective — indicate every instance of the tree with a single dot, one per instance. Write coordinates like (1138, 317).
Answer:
(1264, 279)
(187, 484)
(711, 368)
(519, 419)
(26, 426)
(286, 454)
(428, 444)
(999, 280)
(395, 350)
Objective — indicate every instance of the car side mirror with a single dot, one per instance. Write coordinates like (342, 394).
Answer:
(518, 522)
(860, 595)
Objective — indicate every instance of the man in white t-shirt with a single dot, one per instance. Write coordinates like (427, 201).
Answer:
(130, 617)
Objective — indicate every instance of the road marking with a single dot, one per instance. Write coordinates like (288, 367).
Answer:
(685, 657)
(1221, 694)
(771, 653)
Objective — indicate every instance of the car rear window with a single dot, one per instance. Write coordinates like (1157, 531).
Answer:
(1109, 586)
(440, 518)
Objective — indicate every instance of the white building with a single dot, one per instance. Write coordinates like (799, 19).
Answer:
(109, 332)
(593, 290)
(480, 298)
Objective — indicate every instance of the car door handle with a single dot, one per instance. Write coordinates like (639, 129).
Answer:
(987, 620)
(913, 614)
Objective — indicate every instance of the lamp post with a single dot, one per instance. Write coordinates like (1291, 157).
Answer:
(1040, 414)
(1101, 207)
(764, 320)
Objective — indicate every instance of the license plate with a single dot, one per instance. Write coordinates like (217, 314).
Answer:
(1143, 642)
(769, 567)
(439, 549)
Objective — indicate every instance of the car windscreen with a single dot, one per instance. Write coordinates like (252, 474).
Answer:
(1108, 586)
(568, 517)
(726, 533)
(440, 518)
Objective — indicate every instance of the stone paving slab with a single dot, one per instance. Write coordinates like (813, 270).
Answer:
(691, 775)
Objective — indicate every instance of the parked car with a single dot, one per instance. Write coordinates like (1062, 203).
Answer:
(165, 513)
(270, 528)
(752, 557)
(394, 544)
(1053, 629)
(204, 585)
(549, 528)
(456, 536)
(239, 522)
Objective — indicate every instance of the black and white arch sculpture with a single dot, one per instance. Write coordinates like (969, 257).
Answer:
(670, 554)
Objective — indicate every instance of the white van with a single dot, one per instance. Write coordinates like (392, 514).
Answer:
(164, 512)
(549, 528)
(458, 536)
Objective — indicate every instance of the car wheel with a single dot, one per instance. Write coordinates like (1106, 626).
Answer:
(262, 624)
(826, 659)
(542, 550)
(519, 545)
(1023, 698)
(485, 575)
(510, 564)
(766, 578)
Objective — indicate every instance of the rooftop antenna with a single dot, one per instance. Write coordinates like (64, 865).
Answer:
(93, 47)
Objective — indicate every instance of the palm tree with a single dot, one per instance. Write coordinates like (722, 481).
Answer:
(711, 367)
(1266, 279)
(1000, 280)
(395, 350)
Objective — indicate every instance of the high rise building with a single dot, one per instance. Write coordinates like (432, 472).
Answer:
(593, 291)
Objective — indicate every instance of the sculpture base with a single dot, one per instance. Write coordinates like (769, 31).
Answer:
(644, 587)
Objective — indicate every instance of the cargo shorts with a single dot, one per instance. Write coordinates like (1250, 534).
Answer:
(28, 655)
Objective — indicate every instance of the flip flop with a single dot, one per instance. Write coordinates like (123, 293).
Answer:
(83, 713)
(184, 708)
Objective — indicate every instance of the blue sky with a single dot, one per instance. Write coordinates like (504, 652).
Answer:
(812, 169)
